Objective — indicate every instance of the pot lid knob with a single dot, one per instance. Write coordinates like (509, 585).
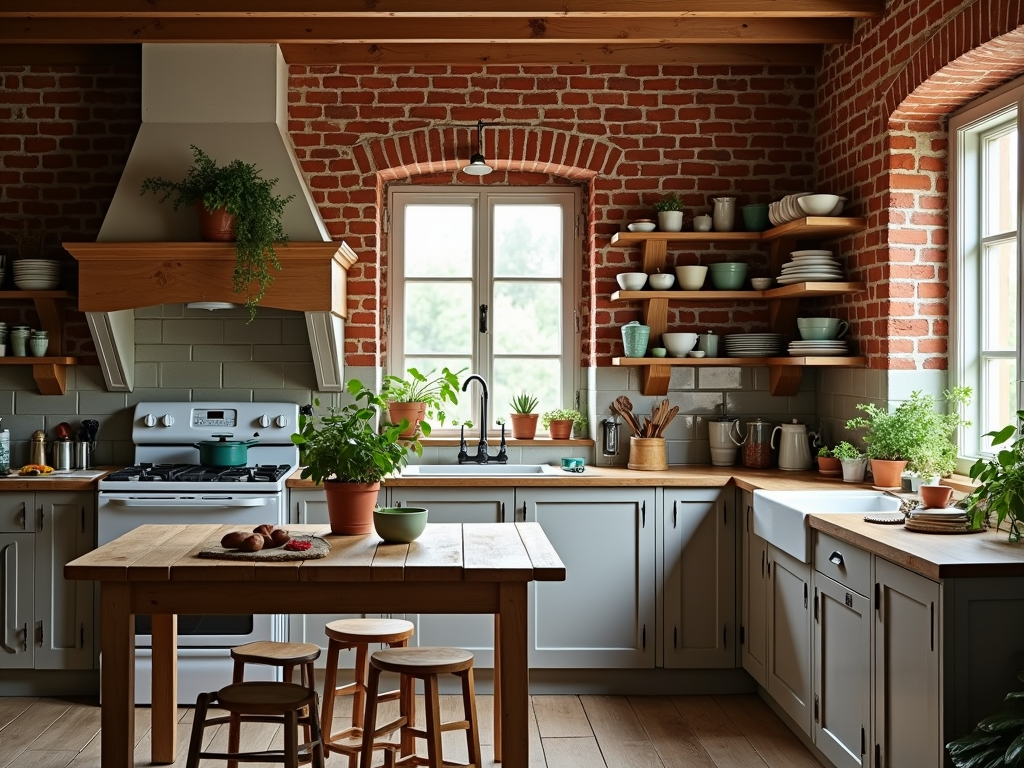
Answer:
(223, 438)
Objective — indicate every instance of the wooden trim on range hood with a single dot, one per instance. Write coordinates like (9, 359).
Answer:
(116, 276)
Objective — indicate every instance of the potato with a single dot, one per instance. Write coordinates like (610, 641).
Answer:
(233, 539)
(279, 537)
(266, 529)
(252, 543)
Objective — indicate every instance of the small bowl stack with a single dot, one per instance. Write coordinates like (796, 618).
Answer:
(36, 274)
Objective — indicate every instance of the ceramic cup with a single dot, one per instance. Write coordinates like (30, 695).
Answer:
(702, 223)
(821, 328)
(658, 351)
(38, 345)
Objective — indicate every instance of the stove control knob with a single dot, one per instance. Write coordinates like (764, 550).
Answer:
(264, 421)
(167, 420)
(149, 420)
(281, 421)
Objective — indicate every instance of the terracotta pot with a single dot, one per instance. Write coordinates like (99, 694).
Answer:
(524, 425)
(350, 506)
(887, 474)
(218, 225)
(830, 466)
(935, 496)
(411, 412)
(560, 429)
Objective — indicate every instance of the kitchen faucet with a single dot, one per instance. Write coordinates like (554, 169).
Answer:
(481, 456)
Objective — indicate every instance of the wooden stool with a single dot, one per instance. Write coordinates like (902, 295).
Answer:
(261, 702)
(357, 634)
(274, 654)
(424, 664)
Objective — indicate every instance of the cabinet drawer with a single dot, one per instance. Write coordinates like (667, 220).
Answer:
(843, 562)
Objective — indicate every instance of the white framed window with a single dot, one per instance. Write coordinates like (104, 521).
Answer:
(487, 280)
(986, 258)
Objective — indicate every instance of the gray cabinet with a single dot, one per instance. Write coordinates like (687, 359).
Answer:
(788, 670)
(753, 595)
(17, 600)
(603, 614)
(699, 578)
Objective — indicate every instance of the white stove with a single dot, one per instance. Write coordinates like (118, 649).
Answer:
(167, 485)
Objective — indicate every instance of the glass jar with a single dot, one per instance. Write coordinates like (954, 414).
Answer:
(757, 446)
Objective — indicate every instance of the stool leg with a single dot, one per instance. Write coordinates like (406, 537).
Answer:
(469, 712)
(237, 676)
(411, 714)
(370, 721)
(195, 745)
(407, 709)
(330, 693)
(307, 679)
(319, 751)
(433, 707)
(291, 739)
(359, 697)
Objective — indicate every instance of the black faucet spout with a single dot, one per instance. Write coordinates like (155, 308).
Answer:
(483, 404)
(482, 457)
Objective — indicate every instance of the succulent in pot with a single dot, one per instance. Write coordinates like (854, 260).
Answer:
(524, 418)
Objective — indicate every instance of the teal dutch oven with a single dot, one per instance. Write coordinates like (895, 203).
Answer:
(223, 452)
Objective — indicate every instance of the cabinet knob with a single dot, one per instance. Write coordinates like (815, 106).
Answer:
(836, 558)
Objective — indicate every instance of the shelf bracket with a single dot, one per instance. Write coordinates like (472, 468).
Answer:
(784, 380)
(655, 252)
(51, 378)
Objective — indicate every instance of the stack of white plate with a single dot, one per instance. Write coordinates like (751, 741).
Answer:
(811, 267)
(753, 344)
(832, 348)
(786, 209)
(36, 274)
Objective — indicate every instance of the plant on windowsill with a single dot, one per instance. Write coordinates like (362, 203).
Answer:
(853, 462)
(560, 422)
(524, 418)
(242, 207)
(346, 453)
(670, 213)
(419, 397)
(1001, 478)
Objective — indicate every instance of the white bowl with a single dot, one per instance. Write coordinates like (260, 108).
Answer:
(761, 283)
(631, 281)
(691, 278)
(641, 226)
(839, 207)
(660, 281)
(679, 344)
(818, 205)
(696, 353)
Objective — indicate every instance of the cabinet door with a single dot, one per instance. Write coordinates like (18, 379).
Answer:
(64, 609)
(789, 636)
(906, 663)
(473, 632)
(17, 600)
(754, 600)
(603, 614)
(17, 515)
(699, 579)
(842, 672)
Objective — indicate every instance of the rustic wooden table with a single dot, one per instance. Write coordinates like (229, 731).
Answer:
(479, 568)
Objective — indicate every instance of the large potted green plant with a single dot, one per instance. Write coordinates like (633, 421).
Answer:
(346, 453)
(935, 455)
(419, 397)
(1001, 482)
(234, 203)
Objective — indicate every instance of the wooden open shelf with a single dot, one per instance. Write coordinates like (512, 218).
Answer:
(50, 372)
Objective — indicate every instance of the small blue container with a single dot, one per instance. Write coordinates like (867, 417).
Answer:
(572, 464)
(634, 339)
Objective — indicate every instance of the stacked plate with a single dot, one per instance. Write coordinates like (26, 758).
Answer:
(833, 348)
(36, 274)
(786, 209)
(937, 521)
(811, 267)
(753, 344)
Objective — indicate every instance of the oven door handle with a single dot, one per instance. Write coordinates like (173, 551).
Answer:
(219, 502)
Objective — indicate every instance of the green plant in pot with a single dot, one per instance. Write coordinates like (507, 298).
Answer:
(524, 418)
(935, 454)
(827, 463)
(244, 209)
(1001, 482)
(851, 460)
(419, 397)
(560, 422)
(670, 213)
(346, 453)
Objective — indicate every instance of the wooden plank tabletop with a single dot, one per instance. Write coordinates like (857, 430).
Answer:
(445, 552)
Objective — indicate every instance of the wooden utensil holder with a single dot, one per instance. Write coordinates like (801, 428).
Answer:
(647, 453)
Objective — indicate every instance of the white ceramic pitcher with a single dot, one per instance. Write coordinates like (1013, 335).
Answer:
(794, 446)
(723, 217)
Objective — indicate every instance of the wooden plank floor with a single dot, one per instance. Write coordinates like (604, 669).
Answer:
(565, 732)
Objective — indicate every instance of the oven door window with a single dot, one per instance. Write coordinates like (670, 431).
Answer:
(205, 626)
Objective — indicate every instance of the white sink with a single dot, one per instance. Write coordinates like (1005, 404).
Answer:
(780, 517)
(480, 470)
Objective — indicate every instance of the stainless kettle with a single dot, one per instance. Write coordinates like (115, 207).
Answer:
(794, 446)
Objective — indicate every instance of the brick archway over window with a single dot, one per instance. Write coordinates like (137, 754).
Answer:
(521, 155)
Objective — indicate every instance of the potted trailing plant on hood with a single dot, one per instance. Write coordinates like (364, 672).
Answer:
(524, 420)
(234, 203)
(560, 422)
(420, 397)
(670, 213)
(1001, 479)
(346, 453)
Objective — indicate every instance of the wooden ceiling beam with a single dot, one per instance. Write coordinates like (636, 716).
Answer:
(440, 8)
(404, 30)
(64, 55)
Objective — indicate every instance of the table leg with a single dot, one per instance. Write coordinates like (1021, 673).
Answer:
(117, 679)
(497, 688)
(165, 687)
(514, 672)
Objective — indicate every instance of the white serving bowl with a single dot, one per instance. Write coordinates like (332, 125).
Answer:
(691, 278)
(679, 344)
(818, 205)
(660, 281)
(641, 226)
(631, 281)
(839, 207)
(761, 283)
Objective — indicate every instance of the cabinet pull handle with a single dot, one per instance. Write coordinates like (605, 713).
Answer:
(83, 519)
(643, 638)
(747, 522)
(815, 604)
(41, 517)
(81, 635)
(762, 564)
(725, 636)
(7, 581)
(24, 516)
(675, 637)
(805, 594)
(40, 634)
(643, 514)
(815, 707)
(675, 514)
(933, 626)
(836, 558)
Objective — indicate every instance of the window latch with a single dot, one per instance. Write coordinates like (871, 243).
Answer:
(483, 318)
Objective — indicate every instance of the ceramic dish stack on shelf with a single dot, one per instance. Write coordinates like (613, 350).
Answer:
(753, 344)
(36, 274)
(811, 267)
(823, 348)
(793, 207)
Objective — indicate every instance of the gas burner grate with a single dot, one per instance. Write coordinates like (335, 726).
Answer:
(197, 473)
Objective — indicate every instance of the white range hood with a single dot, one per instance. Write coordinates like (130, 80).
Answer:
(231, 101)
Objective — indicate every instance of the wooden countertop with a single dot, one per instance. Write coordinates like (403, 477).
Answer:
(75, 480)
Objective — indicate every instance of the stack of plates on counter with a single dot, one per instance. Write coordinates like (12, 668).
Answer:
(36, 274)
(811, 267)
(753, 344)
(937, 521)
(831, 348)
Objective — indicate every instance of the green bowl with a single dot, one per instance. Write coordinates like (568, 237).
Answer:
(729, 278)
(399, 524)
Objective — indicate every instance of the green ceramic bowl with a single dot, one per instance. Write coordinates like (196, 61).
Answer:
(729, 276)
(399, 524)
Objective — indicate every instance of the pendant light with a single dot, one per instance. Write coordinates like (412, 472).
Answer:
(477, 165)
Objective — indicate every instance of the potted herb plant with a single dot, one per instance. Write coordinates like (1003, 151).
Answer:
(234, 203)
(524, 420)
(419, 397)
(854, 463)
(935, 454)
(891, 437)
(828, 464)
(346, 453)
(1001, 478)
(560, 422)
(670, 213)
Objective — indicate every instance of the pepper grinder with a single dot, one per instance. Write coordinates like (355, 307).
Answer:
(37, 448)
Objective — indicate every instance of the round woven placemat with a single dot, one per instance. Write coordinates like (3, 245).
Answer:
(319, 549)
(885, 518)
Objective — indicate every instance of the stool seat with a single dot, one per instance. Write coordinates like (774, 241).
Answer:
(274, 653)
(424, 660)
(264, 698)
(354, 631)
